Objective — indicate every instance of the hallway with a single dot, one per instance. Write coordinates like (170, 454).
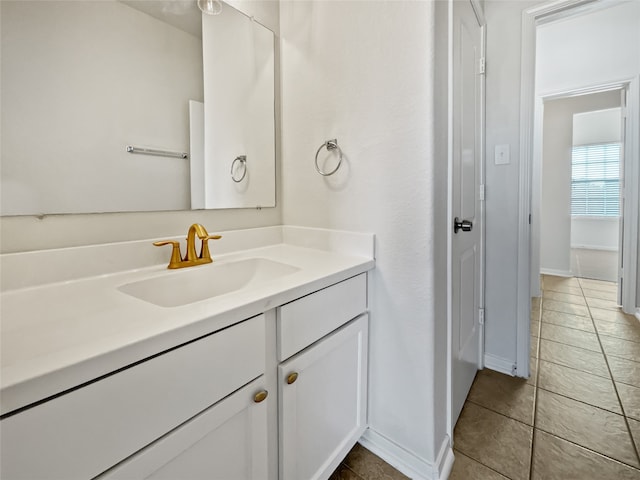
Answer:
(578, 415)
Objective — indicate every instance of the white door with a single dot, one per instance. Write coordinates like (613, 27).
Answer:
(623, 131)
(323, 399)
(228, 441)
(466, 243)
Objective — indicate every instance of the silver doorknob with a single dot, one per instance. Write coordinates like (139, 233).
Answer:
(464, 225)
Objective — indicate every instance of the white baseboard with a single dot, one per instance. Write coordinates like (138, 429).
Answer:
(407, 462)
(594, 247)
(638, 313)
(499, 364)
(557, 273)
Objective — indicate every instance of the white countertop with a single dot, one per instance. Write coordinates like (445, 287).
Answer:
(60, 335)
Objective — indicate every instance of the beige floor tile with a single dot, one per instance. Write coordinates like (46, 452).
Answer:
(570, 336)
(578, 358)
(533, 371)
(533, 347)
(610, 315)
(634, 426)
(625, 371)
(557, 459)
(369, 466)
(535, 328)
(535, 317)
(585, 387)
(601, 294)
(574, 290)
(620, 348)
(603, 304)
(619, 330)
(552, 280)
(500, 443)
(344, 473)
(601, 285)
(465, 468)
(591, 427)
(630, 398)
(564, 307)
(565, 297)
(510, 396)
(568, 320)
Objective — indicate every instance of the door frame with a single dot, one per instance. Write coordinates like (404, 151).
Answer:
(479, 13)
(531, 18)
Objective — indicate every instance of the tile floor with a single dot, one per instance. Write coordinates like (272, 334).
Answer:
(576, 418)
(361, 464)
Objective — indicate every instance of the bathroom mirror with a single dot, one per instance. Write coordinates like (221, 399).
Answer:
(82, 81)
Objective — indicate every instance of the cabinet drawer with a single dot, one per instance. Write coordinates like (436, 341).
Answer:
(84, 432)
(303, 321)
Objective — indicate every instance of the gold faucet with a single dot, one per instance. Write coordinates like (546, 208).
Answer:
(191, 258)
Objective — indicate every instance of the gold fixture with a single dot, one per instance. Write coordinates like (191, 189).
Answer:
(191, 258)
(260, 396)
(292, 378)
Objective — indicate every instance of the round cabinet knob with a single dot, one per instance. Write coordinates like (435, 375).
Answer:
(292, 378)
(261, 396)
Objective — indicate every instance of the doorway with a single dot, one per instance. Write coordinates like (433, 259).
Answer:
(575, 76)
(580, 208)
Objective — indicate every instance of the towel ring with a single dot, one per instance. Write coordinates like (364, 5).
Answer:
(331, 145)
(243, 161)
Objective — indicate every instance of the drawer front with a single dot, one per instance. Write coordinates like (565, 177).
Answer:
(84, 432)
(303, 321)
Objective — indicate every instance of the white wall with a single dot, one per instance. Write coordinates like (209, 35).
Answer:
(595, 233)
(503, 127)
(80, 81)
(600, 126)
(555, 210)
(593, 49)
(362, 72)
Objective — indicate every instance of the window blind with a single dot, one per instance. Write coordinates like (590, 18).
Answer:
(595, 179)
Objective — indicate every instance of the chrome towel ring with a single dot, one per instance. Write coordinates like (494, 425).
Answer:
(242, 159)
(331, 145)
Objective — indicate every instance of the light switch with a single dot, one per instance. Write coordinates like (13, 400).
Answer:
(502, 154)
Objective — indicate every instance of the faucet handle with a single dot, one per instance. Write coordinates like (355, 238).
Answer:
(204, 252)
(176, 256)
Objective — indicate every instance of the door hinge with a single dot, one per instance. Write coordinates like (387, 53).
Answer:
(481, 66)
(481, 193)
(481, 316)
(529, 219)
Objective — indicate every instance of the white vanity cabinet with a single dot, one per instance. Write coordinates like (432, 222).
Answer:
(224, 406)
(82, 433)
(228, 441)
(322, 389)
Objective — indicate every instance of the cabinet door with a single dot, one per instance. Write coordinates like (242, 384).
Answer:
(323, 399)
(228, 441)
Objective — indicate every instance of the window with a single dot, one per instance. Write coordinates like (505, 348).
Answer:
(595, 180)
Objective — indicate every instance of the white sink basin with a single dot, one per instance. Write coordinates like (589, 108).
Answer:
(193, 284)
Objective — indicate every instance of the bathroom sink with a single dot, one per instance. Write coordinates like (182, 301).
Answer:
(193, 284)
